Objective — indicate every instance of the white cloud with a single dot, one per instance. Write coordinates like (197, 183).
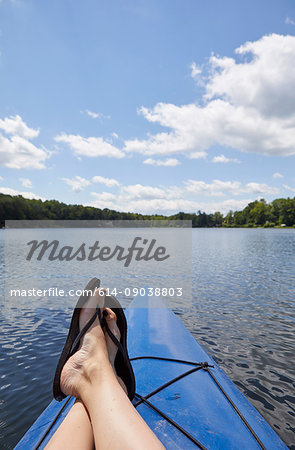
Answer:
(220, 188)
(92, 114)
(277, 175)
(29, 195)
(260, 188)
(16, 150)
(139, 198)
(288, 188)
(106, 200)
(248, 105)
(169, 162)
(143, 192)
(164, 205)
(91, 146)
(187, 197)
(1, 178)
(225, 206)
(104, 196)
(224, 159)
(289, 21)
(19, 153)
(136, 195)
(217, 188)
(258, 84)
(77, 183)
(195, 71)
(109, 182)
(14, 125)
(26, 183)
(197, 155)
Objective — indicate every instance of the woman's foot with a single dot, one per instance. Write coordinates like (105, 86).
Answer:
(92, 357)
(111, 320)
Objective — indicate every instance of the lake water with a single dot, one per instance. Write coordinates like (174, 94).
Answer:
(242, 313)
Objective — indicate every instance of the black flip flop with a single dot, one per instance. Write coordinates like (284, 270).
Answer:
(73, 333)
(123, 366)
(122, 363)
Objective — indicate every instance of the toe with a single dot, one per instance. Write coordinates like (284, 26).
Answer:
(111, 321)
(109, 315)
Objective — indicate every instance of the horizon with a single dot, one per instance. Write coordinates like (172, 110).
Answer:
(225, 216)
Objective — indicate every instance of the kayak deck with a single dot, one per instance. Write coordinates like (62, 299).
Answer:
(196, 402)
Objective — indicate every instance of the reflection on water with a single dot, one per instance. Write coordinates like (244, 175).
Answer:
(242, 313)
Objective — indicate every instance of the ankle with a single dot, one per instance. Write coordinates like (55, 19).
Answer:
(95, 377)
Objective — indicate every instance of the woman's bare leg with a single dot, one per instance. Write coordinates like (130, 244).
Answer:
(89, 375)
(75, 432)
(115, 422)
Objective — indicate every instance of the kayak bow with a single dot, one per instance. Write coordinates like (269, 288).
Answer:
(182, 394)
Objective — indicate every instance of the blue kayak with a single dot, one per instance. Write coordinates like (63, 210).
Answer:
(182, 394)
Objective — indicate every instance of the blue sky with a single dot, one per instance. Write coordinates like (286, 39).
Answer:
(148, 106)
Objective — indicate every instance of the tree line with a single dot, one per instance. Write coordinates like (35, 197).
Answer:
(256, 214)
